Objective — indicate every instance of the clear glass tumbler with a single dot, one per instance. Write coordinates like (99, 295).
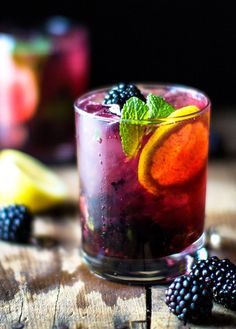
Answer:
(142, 218)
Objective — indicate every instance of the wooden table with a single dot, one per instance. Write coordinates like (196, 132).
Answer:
(45, 285)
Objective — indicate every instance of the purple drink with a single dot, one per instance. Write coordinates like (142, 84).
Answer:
(141, 217)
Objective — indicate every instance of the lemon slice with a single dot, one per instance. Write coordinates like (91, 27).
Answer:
(173, 156)
(25, 180)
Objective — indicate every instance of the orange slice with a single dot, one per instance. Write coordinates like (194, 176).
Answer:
(175, 152)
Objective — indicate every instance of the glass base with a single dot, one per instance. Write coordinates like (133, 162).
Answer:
(147, 271)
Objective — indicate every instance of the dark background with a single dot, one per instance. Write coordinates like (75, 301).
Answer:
(188, 42)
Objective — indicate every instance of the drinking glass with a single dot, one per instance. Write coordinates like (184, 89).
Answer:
(142, 218)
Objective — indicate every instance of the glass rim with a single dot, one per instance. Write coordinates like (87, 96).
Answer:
(150, 85)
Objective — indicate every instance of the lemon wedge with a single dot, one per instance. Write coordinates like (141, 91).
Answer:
(174, 156)
(25, 180)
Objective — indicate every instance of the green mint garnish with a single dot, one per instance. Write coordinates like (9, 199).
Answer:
(131, 132)
(133, 113)
(158, 107)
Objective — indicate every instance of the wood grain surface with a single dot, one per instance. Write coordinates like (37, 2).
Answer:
(46, 285)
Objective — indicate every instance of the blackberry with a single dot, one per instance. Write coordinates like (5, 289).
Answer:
(120, 93)
(205, 269)
(220, 275)
(15, 223)
(189, 298)
(224, 285)
(225, 294)
(225, 272)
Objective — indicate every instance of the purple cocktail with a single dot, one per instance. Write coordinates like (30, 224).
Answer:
(142, 215)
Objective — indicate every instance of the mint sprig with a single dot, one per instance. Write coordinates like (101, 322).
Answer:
(131, 131)
(158, 107)
(135, 115)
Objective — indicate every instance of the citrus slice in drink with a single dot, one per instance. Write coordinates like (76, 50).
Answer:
(27, 181)
(175, 152)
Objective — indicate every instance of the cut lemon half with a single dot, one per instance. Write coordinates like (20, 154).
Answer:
(174, 153)
(27, 181)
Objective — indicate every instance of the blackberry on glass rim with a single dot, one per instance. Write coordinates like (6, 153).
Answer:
(120, 93)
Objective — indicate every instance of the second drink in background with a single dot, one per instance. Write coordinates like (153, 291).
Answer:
(42, 71)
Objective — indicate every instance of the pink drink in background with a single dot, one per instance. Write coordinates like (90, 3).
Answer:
(41, 74)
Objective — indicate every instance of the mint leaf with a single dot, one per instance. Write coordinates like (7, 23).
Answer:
(133, 116)
(134, 109)
(131, 131)
(158, 107)
(131, 137)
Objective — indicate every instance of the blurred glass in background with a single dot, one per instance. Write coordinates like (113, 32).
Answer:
(42, 71)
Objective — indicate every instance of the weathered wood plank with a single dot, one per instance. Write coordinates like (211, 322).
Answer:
(47, 288)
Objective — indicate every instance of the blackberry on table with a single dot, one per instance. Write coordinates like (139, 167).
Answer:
(15, 223)
(224, 285)
(225, 271)
(189, 298)
(225, 294)
(120, 93)
(205, 269)
(220, 275)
